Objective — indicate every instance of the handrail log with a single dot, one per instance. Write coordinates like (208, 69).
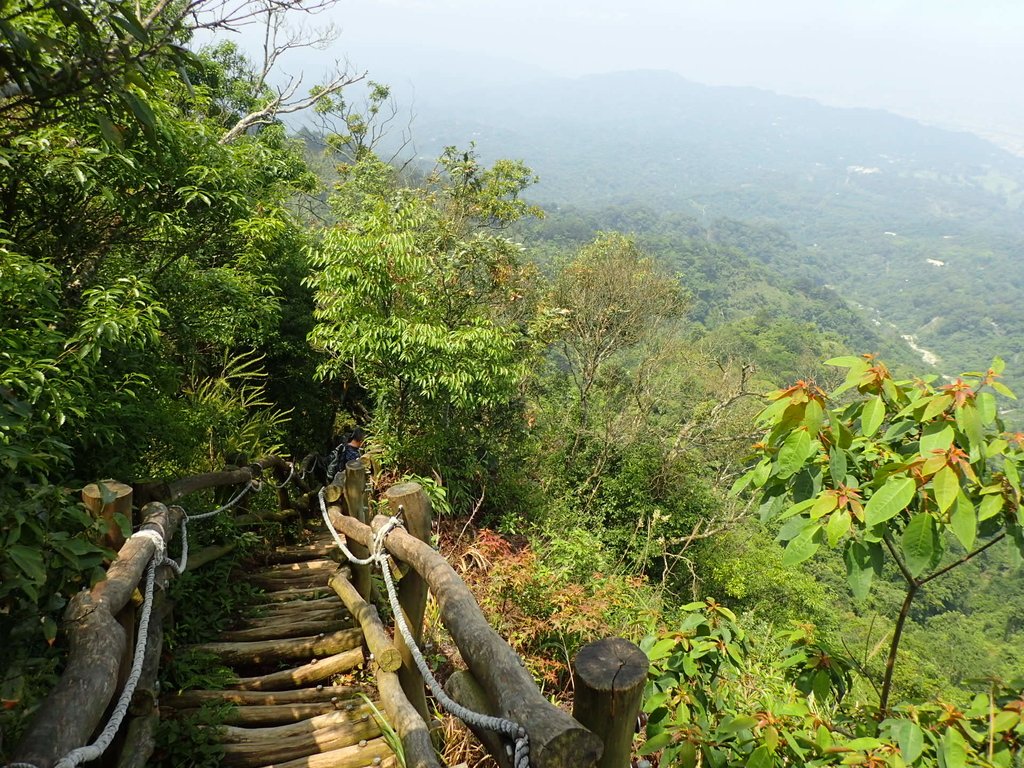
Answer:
(556, 740)
(171, 490)
(385, 654)
(73, 710)
(411, 729)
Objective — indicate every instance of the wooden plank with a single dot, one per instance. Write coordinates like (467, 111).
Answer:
(272, 651)
(314, 672)
(322, 693)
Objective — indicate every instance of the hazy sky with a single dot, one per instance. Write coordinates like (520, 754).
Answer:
(955, 61)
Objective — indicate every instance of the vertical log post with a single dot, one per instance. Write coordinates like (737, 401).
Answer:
(281, 475)
(610, 676)
(356, 501)
(412, 589)
(106, 499)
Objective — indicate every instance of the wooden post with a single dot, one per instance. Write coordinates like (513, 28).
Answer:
(355, 499)
(465, 689)
(75, 707)
(104, 500)
(556, 740)
(411, 499)
(610, 676)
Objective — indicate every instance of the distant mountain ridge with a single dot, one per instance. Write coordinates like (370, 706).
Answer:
(872, 200)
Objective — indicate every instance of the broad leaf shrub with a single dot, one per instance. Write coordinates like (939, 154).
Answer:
(715, 698)
(921, 475)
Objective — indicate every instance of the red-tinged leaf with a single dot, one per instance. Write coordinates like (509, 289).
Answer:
(889, 500)
(946, 486)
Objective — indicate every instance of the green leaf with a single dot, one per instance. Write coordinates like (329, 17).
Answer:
(987, 408)
(761, 758)
(937, 405)
(1003, 390)
(998, 365)
(991, 505)
(969, 420)
(656, 742)
(889, 500)
(936, 437)
(953, 749)
(910, 737)
(872, 415)
(29, 560)
(964, 522)
(838, 526)
(802, 547)
(661, 649)
(837, 465)
(946, 486)
(920, 543)
(860, 568)
(813, 416)
(794, 452)
(736, 724)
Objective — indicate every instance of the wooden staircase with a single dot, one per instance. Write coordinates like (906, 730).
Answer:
(295, 655)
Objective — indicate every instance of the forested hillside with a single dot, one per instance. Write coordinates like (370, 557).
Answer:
(653, 406)
(920, 226)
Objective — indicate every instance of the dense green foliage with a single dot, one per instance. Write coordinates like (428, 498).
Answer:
(144, 265)
(181, 282)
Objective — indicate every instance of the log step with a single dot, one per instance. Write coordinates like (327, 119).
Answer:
(284, 629)
(290, 594)
(253, 747)
(314, 672)
(298, 552)
(272, 651)
(357, 756)
(283, 714)
(321, 693)
(277, 619)
(290, 569)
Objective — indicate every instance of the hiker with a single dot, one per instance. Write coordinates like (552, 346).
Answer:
(345, 452)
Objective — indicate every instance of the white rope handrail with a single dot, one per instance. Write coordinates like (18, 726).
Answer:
(379, 555)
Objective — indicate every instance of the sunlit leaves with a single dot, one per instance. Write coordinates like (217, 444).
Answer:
(940, 466)
(921, 545)
(889, 500)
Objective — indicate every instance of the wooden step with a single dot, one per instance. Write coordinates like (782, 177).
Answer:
(272, 651)
(321, 693)
(314, 672)
(337, 613)
(298, 552)
(294, 570)
(253, 747)
(347, 757)
(291, 594)
(284, 629)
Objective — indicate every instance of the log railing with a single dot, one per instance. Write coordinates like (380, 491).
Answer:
(610, 674)
(100, 622)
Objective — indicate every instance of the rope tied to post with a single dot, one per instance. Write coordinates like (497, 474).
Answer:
(95, 750)
(379, 556)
